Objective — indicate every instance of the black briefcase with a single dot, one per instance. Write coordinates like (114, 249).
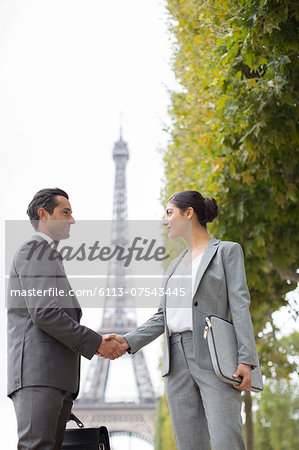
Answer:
(85, 438)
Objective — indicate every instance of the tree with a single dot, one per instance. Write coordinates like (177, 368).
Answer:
(234, 136)
(276, 420)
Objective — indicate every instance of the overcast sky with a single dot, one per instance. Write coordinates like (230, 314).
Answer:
(67, 70)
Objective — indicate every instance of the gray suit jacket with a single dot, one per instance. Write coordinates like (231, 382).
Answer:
(220, 289)
(44, 337)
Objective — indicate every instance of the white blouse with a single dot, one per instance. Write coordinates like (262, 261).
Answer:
(179, 308)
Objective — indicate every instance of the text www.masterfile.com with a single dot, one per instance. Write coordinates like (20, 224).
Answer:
(98, 292)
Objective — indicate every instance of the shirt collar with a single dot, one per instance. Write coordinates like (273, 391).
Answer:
(47, 238)
(50, 241)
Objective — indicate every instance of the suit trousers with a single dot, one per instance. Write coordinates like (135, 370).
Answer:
(41, 413)
(203, 409)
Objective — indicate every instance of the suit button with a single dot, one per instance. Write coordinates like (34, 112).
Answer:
(195, 303)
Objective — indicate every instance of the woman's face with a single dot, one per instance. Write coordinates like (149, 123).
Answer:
(177, 224)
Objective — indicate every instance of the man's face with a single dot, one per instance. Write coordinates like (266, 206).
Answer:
(58, 224)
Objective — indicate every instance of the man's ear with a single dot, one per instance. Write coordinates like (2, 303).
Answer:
(43, 214)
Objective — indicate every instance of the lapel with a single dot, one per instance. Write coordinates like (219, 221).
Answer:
(205, 261)
(75, 302)
(73, 298)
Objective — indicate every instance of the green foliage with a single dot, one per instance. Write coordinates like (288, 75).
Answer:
(235, 132)
(234, 136)
(280, 356)
(276, 420)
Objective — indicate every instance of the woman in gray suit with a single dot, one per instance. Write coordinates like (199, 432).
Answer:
(203, 409)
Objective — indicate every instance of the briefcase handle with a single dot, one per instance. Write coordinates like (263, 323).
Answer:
(78, 421)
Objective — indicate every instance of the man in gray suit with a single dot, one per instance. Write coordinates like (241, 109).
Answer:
(45, 340)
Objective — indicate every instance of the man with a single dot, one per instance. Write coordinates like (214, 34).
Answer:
(45, 339)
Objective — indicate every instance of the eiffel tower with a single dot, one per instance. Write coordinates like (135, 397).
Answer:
(132, 418)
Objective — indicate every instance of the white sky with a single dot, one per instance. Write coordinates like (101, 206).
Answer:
(67, 70)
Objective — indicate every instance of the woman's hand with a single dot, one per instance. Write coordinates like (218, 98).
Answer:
(113, 346)
(243, 370)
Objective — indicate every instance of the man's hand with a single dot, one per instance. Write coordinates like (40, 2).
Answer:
(111, 349)
(243, 370)
(113, 346)
(119, 338)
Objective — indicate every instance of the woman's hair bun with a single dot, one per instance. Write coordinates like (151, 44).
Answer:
(211, 209)
(206, 209)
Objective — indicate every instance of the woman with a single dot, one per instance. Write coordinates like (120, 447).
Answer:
(203, 409)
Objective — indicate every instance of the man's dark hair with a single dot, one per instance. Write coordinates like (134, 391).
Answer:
(45, 198)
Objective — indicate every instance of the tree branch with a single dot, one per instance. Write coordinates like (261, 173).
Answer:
(288, 274)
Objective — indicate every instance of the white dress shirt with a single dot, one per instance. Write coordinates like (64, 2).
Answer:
(179, 308)
(50, 241)
(45, 236)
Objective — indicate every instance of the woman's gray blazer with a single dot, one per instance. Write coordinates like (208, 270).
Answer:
(220, 289)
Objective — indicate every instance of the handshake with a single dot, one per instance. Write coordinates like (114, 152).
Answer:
(112, 346)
